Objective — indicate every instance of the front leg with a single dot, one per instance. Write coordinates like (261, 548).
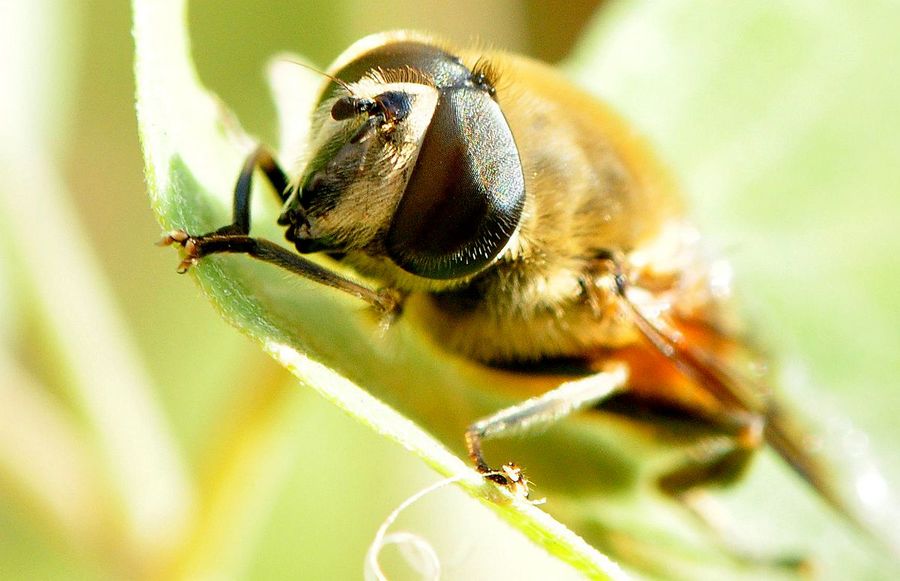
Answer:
(217, 240)
(235, 238)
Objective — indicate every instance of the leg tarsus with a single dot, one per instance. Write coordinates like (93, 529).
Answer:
(510, 476)
(186, 241)
(540, 411)
(386, 301)
(174, 237)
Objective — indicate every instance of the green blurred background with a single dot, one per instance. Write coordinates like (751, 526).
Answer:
(798, 139)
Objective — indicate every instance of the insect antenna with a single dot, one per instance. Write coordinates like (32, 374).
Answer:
(339, 82)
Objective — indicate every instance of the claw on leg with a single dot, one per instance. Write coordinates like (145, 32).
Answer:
(186, 264)
(174, 237)
(186, 241)
(510, 476)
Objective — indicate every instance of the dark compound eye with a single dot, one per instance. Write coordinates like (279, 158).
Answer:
(465, 195)
(466, 192)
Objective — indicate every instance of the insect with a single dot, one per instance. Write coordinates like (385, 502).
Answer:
(518, 223)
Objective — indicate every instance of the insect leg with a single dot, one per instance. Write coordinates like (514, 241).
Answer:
(742, 395)
(748, 419)
(719, 460)
(384, 300)
(543, 410)
(234, 238)
(263, 159)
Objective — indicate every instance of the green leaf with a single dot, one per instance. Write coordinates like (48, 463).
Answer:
(193, 151)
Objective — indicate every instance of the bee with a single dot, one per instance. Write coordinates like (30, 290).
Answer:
(518, 223)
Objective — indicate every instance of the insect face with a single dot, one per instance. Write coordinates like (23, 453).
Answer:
(362, 144)
(417, 172)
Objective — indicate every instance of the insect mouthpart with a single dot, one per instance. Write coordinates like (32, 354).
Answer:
(306, 245)
(299, 230)
(293, 215)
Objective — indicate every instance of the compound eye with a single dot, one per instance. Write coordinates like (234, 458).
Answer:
(464, 198)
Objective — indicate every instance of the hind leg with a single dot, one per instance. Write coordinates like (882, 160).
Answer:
(717, 461)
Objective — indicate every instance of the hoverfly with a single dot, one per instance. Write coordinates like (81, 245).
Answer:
(520, 227)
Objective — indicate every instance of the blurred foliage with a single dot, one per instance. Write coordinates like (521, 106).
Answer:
(788, 129)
